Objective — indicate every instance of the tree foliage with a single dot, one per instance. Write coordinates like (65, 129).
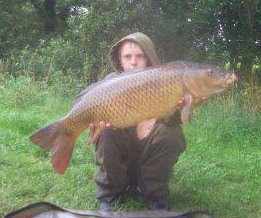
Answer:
(222, 32)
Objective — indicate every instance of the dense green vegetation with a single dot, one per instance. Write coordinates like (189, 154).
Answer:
(73, 37)
(50, 50)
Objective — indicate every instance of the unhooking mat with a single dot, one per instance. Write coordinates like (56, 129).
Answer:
(47, 210)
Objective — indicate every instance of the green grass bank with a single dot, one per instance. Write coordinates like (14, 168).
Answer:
(219, 172)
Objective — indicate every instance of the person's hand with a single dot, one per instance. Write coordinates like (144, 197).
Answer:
(181, 102)
(96, 130)
(102, 125)
(200, 101)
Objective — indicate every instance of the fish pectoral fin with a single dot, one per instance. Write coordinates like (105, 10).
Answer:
(145, 127)
(187, 108)
(94, 135)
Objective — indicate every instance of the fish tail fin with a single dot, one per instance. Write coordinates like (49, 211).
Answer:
(59, 140)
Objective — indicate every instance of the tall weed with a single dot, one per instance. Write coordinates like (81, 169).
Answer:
(57, 63)
(22, 91)
(251, 94)
(228, 119)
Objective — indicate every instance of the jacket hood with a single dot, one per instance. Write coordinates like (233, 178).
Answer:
(141, 39)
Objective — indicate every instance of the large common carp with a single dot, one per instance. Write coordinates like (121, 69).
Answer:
(134, 98)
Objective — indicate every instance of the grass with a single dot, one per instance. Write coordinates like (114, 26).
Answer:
(219, 172)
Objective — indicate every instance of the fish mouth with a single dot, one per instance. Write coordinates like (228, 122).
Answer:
(231, 79)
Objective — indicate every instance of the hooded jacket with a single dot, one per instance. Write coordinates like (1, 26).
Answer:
(143, 41)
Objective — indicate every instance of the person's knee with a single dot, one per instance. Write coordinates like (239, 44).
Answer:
(170, 138)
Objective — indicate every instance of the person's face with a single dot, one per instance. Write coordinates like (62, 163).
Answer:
(132, 56)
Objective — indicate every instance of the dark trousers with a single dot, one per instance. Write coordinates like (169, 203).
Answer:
(125, 161)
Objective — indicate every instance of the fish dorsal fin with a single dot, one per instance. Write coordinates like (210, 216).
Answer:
(109, 77)
(92, 86)
(187, 108)
(145, 127)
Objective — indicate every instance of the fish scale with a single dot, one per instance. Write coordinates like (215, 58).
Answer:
(134, 98)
